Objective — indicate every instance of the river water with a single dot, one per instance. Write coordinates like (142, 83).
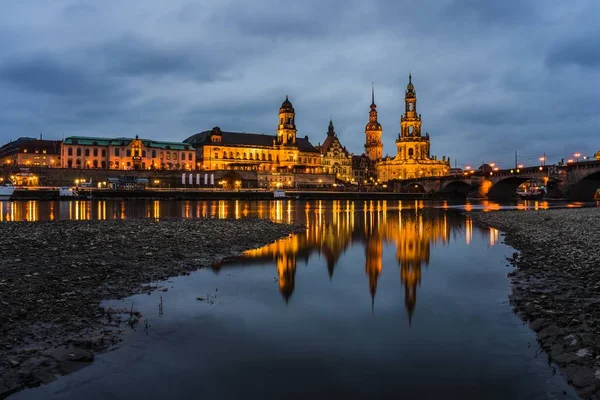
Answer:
(374, 300)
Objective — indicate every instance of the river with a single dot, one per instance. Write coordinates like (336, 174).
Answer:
(375, 300)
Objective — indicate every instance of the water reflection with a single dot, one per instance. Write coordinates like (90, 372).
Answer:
(412, 231)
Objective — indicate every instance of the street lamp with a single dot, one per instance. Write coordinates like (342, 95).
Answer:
(543, 160)
(577, 155)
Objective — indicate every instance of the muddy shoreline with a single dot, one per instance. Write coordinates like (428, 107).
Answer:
(53, 276)
(556, 285)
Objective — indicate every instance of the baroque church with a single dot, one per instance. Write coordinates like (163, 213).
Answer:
(413, 158)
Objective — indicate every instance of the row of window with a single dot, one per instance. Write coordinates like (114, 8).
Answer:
(128, 152)
(116, 164)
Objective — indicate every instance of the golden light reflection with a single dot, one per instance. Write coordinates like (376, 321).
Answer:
(494, 236)
(330, 232)
(468, 230)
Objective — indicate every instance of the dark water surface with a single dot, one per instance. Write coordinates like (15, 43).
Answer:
(375, 300)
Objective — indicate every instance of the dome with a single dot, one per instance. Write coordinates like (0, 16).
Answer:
(286, 106)
(485, 168)
(373, 126)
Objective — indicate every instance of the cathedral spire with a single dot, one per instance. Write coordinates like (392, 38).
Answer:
(372, 95)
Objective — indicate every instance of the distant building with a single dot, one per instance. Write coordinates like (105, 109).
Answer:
(413, 159)
(31, 152)
(597, 155)
(335, 159)
(282, 152)
(126, 154)
(363, 169)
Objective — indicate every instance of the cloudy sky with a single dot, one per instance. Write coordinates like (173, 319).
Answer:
(491, 77)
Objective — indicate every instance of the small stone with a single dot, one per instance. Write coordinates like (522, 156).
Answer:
(583, 352)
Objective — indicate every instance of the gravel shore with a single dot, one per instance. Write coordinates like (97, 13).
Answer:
(556, 285)
(53, 276)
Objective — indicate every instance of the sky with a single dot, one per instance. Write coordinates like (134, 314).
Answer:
(491, 77)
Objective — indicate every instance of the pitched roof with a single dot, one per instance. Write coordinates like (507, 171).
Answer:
(247, 139)
(96, 141)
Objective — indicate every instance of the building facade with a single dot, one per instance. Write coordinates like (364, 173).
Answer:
(283, 152)
(31, 152)
(413, 159)
(363, 170)
(373, 132)
(126, 154)
(335, 159)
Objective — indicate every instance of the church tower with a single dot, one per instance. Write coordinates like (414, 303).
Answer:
(373, 131)
(286, 130)
(411, 144)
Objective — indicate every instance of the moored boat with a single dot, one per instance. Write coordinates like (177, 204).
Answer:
(532, 193)
(6, 192)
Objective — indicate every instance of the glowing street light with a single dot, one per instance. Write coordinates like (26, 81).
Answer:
(468, 167)
(577, 155)
(520, 166)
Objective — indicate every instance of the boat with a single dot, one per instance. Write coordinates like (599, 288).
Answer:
(278, 193)
(597, 195)
(532, 193)
(6, 192)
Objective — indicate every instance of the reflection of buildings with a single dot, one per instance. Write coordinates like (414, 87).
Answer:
(331, 231)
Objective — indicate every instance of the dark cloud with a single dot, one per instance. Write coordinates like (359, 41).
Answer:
(582, 51)
(492, 77)
(44, 74)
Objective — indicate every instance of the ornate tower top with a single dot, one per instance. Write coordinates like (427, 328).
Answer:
(410, 88)
(373, 131)
(330, 129)
(286, 130)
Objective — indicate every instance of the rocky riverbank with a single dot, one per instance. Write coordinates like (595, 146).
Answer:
(53, 276)
(556, 285)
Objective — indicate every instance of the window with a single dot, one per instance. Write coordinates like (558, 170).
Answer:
(70, 151)
(190, 156)
(231, 154)
(95, 152)
(79, 151)
(128, 153)
(411, 152)
(117, 152)
(24, 150)
(103, 153)
(168, 155)
(87, 152)
(153, 153)
(44, 151)
(216, 155)
(144, 153)
(174, 156)
(224, 154)
(162, 155)
(270, 157)
(96, 162)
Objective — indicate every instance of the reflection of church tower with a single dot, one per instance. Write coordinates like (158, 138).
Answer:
(413, 248)
(286, 130)
(373, 131)
(286, 272)
(373, 265)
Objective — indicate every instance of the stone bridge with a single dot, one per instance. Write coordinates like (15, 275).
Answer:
(575, 181)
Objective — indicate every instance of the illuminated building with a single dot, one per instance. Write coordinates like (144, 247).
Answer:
(31, 152)
(373, 131)
(282, 152)
(126, 154)
(597, 155)
(335, 159)
(413, 159)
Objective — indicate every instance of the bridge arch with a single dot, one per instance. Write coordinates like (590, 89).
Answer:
(506, 189)
(456, 188)
(585, 188)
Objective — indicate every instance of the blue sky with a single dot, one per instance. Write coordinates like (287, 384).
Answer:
(491, 77)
